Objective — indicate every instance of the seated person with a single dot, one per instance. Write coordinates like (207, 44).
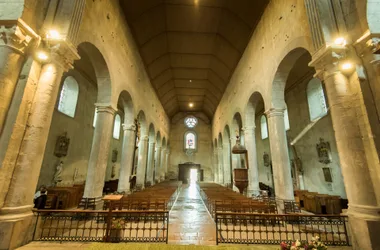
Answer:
(40, 198)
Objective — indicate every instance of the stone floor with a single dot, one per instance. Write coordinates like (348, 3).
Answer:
(190, 221)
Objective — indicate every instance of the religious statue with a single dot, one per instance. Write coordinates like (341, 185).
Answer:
(58, 173)
(113, 171)
(323, 149)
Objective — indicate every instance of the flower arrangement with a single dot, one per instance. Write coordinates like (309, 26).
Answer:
(314, 244)
(118, 224)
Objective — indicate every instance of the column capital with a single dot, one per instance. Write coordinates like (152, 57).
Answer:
(248, 128)
(152, 143)
(144, 138)
(274, 112)
(100, 108)
(129, 127)
(327, 60)
(158, 147)
(63, 53)
(17, 35)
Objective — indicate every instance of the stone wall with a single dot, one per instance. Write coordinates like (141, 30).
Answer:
(203, 155)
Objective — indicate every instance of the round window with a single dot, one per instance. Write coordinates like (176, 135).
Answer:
(191, 121)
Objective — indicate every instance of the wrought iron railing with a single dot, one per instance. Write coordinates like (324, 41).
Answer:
(245, 228)
(101, 226)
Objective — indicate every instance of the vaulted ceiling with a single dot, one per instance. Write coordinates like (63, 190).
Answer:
(190, 48)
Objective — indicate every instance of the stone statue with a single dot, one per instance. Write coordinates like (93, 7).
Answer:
(58, 173)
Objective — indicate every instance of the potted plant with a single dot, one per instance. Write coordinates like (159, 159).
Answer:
(116, 232)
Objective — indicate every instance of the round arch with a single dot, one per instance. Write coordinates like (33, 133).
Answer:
(281, 77)
(104, 82)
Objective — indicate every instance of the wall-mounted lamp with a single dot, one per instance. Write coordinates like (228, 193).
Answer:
(340, 41)
(42, 55)
(53, 35)
(191, 104)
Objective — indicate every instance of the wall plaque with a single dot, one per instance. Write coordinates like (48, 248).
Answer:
(324, 153)
(62, 145)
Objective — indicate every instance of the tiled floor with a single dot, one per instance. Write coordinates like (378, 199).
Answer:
(189, 220)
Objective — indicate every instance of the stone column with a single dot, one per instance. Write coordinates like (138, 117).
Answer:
(253, 171)
(162, 164)
(16, 215)
(97, 164)
(362, 186)
(142, 161)
(157, 164)
(227, 163)
(283, 183)
(149, 176)
(167, 162)
(14, 39)
(221, 165)
(216, 166)
(126, 161)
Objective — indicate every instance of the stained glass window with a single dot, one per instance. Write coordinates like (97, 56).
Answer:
(190, 140)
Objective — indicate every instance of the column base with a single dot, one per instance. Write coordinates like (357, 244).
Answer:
(16, 230)
(91, 203)
(364, 225)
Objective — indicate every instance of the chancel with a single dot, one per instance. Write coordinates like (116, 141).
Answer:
(182, 122)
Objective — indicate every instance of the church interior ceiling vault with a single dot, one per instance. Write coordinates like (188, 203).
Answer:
(190, 48)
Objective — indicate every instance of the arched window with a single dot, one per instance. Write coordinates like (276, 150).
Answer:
(116, 127)
(264, 127)
(316, 99)
(190, 140)
(95, 118)
(286, 120)
(68, 97)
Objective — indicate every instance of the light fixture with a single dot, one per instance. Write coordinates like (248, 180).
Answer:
(191, 104)
(340, 41)
(53, 34)
(346, 66)
(42, 55)
(190, 80)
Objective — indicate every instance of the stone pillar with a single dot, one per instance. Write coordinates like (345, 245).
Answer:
(157, 164)
(126, 161)
(283, 183)
(253, 171)
(221, 165)
(142, 162)
(149, 176)
(162, 164)
(361, 187)
(16, 215)
(167, 162)
(227, 163)
(14, 40)
(216, 166)
(97, 164)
